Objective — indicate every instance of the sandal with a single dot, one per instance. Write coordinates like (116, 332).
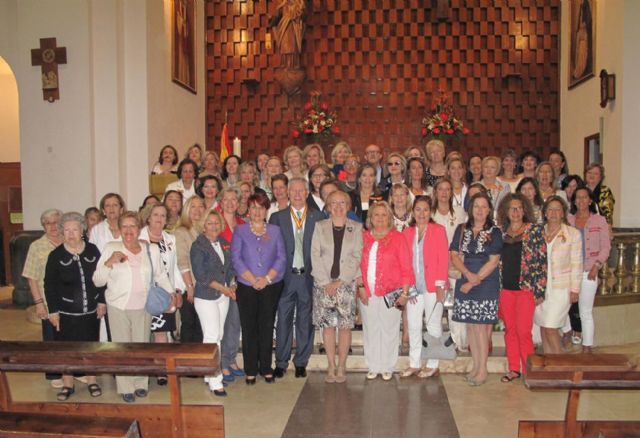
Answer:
(410, 372)
(425, 373)
(65, 393)
(94, 390)
(510, 376)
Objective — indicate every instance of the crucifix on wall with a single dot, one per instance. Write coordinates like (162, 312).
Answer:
(48, 56)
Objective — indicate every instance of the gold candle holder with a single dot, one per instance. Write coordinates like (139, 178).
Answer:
(635, 268)
(621, 270)
(604, 274)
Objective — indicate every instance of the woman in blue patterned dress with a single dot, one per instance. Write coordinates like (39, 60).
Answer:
(475, 252)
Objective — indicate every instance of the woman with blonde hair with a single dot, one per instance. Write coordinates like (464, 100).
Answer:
(292, 158)
(336, 248)
(210, 165)
(437, 168)
(312, 155)
(271, 169)
(386, 267)
(127, 268)
(495, 189)
(339, 155)
(189, 227)
(215, 286)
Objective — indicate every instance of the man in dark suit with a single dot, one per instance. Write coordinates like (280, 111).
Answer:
(297, 224)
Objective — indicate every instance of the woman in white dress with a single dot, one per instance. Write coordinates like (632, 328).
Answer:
(564, 273)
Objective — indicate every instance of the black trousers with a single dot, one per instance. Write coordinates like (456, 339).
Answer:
(190, 329)
(257, 314)
(574, 317)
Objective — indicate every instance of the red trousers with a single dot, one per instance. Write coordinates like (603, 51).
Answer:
(516, 309)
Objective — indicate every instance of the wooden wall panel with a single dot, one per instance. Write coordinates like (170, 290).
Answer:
(379, 63)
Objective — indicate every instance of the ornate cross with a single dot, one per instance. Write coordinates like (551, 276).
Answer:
(48, 56)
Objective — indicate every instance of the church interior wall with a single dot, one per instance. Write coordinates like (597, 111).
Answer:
(582, 116)
(176, 116)
(117, 103)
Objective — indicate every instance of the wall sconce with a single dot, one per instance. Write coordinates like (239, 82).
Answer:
(607, 87)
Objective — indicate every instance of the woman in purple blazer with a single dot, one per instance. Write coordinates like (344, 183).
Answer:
(259, 258)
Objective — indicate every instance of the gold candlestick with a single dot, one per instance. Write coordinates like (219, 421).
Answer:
(635, 268)
(621, 270)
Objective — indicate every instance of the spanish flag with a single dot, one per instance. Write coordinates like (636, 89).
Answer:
(225, 147)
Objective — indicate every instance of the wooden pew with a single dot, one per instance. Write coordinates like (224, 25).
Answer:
(173, 360)
(48, 426)
(576, 372)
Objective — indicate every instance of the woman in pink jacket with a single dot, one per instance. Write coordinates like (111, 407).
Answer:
(385, 267)
(596, 245)
(430, 261)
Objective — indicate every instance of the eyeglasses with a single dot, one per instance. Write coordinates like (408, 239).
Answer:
(393, 163)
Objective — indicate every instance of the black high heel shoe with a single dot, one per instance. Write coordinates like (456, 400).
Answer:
(269, 378)
(250, 380)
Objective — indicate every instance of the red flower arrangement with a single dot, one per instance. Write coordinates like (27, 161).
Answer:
(441, 123)
(317, 119)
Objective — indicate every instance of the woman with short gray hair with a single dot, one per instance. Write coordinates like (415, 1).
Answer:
(34, 269)
(75, 303)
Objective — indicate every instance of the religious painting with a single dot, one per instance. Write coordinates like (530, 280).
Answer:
(183, 44)
(582, 41)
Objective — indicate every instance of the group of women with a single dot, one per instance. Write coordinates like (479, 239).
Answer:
(521, 247)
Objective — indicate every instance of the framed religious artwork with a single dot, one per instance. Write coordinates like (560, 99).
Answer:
(183, 44)
(592, 152)
(582, 41)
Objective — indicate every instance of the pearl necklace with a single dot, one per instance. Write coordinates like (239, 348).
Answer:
(256, 233)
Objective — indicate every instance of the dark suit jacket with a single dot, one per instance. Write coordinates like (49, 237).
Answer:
(282, 218)
(207, 267)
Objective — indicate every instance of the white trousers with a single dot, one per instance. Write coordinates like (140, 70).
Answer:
(458, 329)
(381, 335)
(587, 295)
(427, 306)
(212, 314)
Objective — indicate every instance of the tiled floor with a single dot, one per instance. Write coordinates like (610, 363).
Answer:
(308, 407)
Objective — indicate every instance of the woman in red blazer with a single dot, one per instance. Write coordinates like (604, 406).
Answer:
(430, 261)
(385, 267)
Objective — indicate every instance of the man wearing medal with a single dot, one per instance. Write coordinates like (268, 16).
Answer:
(297, 224)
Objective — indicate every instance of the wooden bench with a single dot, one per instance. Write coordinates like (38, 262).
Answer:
(48, 426)
(576, 372)
(156, 420)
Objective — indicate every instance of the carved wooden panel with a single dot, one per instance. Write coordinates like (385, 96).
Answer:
(379, 63)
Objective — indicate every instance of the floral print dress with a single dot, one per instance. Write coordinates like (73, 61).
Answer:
(480, 305)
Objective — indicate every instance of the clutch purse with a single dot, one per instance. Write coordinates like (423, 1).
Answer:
(390, 298)
(448, 299)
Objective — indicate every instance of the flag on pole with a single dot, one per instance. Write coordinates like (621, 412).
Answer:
(225, 147)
